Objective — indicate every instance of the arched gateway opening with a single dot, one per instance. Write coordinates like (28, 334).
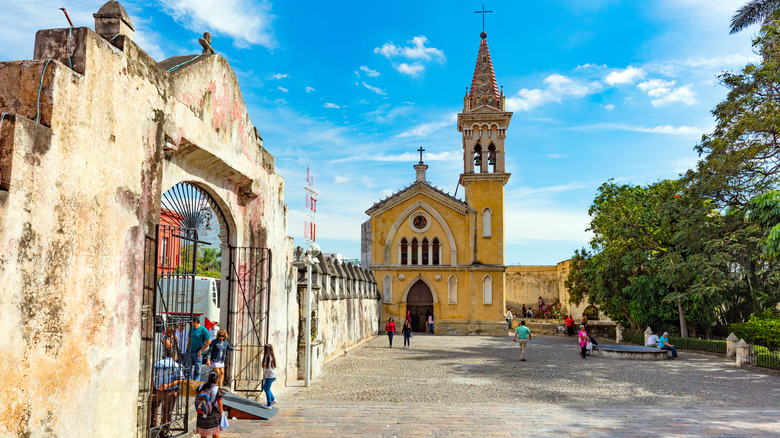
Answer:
(419, 302)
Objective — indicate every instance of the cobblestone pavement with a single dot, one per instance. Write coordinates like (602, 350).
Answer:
(465, 385)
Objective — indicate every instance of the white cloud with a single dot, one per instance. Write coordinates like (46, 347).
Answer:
(410, 69)
(247, 22)
(282, 89)
(414, 156)
(559, 88)
(629, 75)
(309, 89)
(556, 156)
(531, 222)
(278, 76)
(375, 89)
(664, 93)
(369, 72)
(416, 51)
(609, 107)
(331, 105)
(427, 129)
(660, 129)
(341, 179)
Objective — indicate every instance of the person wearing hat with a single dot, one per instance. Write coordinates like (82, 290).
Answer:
(663, 344)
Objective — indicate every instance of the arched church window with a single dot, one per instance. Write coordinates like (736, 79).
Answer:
(415, 249)
(478, 158)
(487, 223)
(425, 248)
(404, 251)
(492, 158)
(435, 250)
(487, 290)
(452, 290)
(387, 288)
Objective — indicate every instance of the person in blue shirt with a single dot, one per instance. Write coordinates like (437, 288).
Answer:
(199, 342)
(168, 375)
(663, 344)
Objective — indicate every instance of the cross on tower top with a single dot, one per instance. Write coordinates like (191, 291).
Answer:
(483, 12)
(421, 150)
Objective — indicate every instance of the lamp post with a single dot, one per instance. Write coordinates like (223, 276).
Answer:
(311, 259)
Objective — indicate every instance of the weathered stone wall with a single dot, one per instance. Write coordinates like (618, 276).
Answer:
(81, 189)
(525, 284)
(347, 304)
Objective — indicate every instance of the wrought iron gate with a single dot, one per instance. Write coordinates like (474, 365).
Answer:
(170, 264)
(248, 315)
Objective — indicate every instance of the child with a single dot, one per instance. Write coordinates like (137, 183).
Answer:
(407, 331)
(269, 373)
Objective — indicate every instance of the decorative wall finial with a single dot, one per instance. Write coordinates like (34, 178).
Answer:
(206, 43)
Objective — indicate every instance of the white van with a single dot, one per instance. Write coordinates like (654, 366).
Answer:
(178, 308)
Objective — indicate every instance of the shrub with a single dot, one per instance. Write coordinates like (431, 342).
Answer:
(762, 329)
(757, 349)
(768, 360)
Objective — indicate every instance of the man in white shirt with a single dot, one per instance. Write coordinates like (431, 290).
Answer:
(652, 341)
(214, 330)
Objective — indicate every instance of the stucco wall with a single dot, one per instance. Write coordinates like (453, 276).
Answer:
(346, 303)
(81, 189)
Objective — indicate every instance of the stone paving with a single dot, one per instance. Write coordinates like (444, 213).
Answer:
(476, 386)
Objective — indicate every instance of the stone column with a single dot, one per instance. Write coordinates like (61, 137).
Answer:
(619, 333)
(648, 332)
(731, 346)
(743, 353)
(419, 253)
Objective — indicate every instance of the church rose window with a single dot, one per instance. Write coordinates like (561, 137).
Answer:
(415, 246)
(404, 252)
(420, 222)
(425, 251)
(435, 252)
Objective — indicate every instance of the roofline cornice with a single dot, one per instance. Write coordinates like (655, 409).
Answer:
(415, 190)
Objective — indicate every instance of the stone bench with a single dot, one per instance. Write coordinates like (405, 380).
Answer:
(630, 352)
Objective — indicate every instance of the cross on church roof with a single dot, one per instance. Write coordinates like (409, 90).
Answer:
(421, 150)
(483, 12)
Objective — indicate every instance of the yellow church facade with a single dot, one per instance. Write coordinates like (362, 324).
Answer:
(432, 253)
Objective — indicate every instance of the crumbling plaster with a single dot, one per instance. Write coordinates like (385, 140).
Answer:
(83, 188)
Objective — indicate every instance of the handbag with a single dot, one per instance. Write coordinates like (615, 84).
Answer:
(223, 423)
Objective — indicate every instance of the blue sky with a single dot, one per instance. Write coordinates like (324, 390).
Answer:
(599, 89)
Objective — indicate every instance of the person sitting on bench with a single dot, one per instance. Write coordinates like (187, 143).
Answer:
(652, 341)
(664, 344)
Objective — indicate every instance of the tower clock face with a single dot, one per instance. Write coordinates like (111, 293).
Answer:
(420, 222)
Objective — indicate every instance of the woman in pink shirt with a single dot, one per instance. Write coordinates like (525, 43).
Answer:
(390, 330)
(583, 337)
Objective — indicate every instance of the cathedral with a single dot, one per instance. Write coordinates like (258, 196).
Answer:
(432, 253)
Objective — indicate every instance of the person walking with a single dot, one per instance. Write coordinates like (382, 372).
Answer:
(407, 331)
(214, 331)
(509, 318)
(168, 375)
(270, 373)
(663, 344)
(522, 336)
(390, 330)
(218, 354)
(430, 324)
(525, 312)
(199, 342)
(570, 325)
(583, 338)
(209, 423)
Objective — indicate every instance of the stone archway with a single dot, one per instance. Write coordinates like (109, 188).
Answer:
(419, 302)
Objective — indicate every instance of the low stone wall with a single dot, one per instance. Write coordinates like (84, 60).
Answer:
(346, 307)
(598, 329)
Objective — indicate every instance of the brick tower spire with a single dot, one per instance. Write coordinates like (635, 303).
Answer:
(484, 89)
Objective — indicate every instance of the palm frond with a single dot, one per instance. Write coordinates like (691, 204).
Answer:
(754, 12)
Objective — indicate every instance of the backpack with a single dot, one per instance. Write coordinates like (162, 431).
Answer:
(203, 401)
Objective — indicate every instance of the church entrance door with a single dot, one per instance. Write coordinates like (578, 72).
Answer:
(419, 302)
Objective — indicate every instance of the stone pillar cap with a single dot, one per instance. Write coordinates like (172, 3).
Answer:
(742, 344)
(649, 331)
(113, 9)
(732, 337)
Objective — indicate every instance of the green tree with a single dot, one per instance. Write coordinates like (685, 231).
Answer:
(209, 259)
(765, 212)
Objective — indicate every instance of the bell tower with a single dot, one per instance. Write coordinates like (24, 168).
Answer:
(483, 124)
